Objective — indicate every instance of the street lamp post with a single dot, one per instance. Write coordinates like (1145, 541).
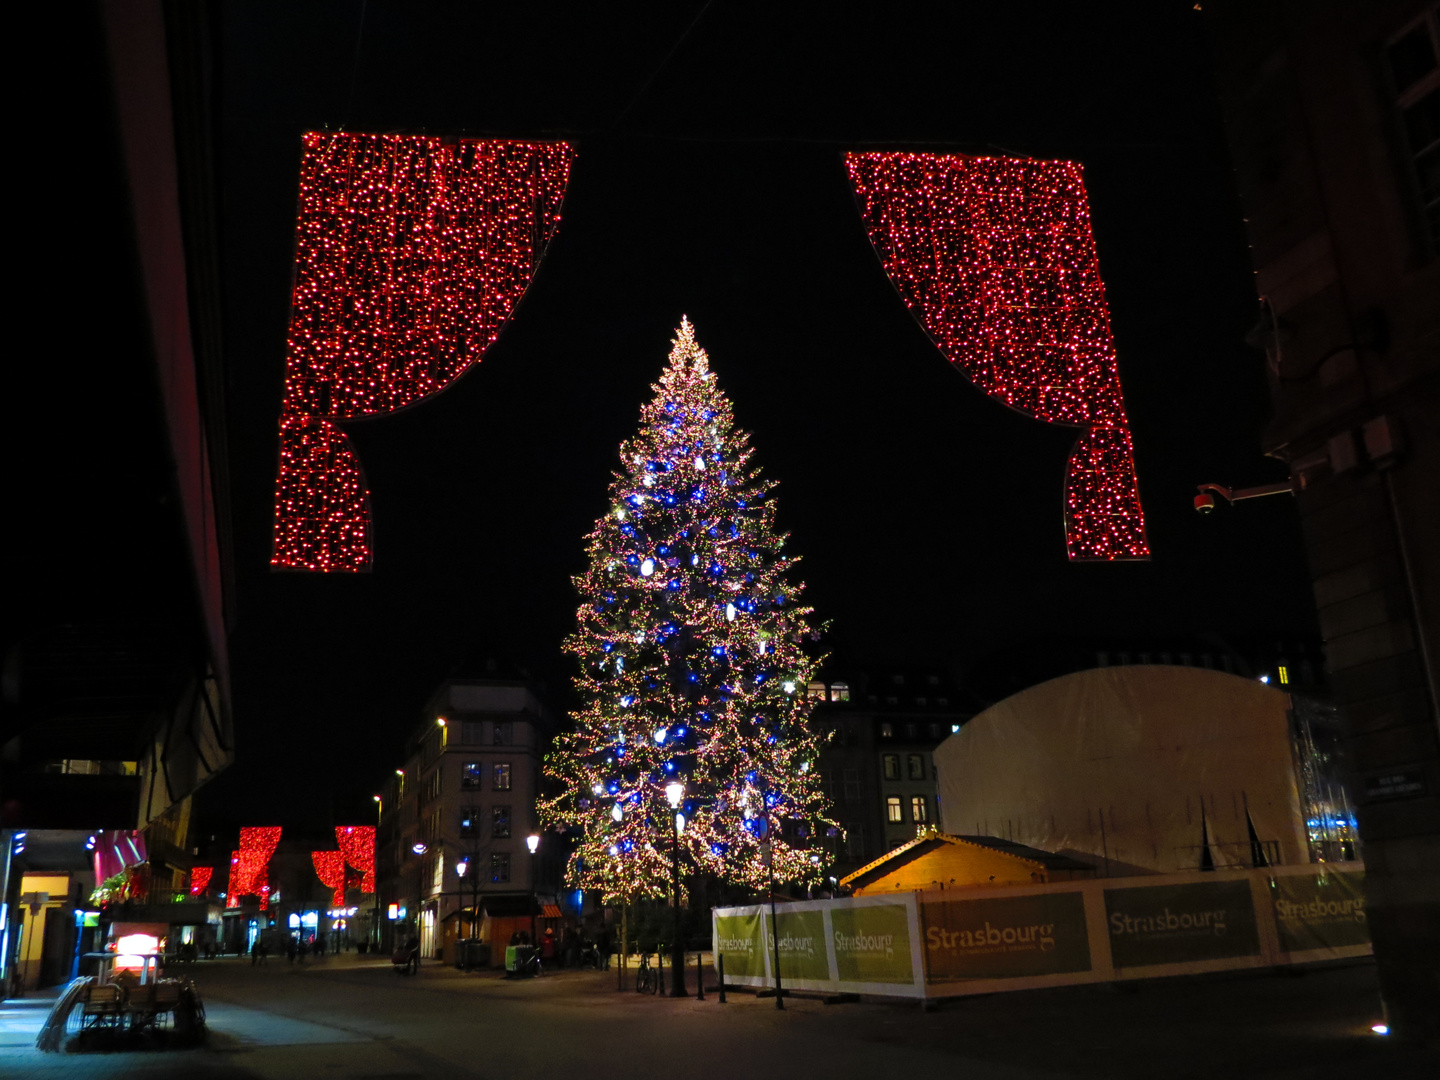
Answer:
(675, 795)
(533, 843)
(379, 812)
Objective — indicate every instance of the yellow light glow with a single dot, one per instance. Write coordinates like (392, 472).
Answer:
(129, 950)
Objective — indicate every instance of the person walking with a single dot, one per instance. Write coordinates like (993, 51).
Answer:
(602, 946)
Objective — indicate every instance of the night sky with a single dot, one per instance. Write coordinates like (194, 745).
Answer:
(928, 516)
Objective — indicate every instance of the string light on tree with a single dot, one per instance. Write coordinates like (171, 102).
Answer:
(996, 258)
(688, 638)
(411, 252)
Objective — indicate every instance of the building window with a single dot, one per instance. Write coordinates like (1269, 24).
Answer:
(911, 732)
(916, 766)
(470, 774)
(839, 691)
(852, 785)
(917, 810)
(1414, 60)
(500, 821)
(815, 691)
(432, 785)
(469, 822)
(921, 702)
(893, 809)
(891, 766)
(499, 868)
(1284, 675)
(887, 730)
(855, 840)
(501, 778)
(504, 732)
(944, 703)
(935, 731)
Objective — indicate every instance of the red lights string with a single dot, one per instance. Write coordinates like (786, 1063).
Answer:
(330, 867)
(200, 879)
(250, 866)
(996, 258)
(357, 843)
(411, 253)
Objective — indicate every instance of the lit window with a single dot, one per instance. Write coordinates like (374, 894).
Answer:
(469, 823)
(891, 766)
(499, 868)
(917, 810)
(501, 780)
(815, 691)
(839, 691)
(500, 821)
(887, 730)
(470, 774)
(1284, 675)
(893, 810)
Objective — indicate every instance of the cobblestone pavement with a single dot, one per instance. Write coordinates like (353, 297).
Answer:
(354, 1017)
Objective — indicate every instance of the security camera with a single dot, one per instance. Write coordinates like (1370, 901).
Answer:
(1204, 503)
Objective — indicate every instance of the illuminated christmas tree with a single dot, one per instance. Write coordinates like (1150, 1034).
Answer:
(689, 640)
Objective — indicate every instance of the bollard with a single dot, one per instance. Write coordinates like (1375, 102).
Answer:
(699, 976)
(720, 967)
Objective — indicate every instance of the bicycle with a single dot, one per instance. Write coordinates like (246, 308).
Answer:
(648, 980)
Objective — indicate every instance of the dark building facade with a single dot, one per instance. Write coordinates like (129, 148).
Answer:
(879, 732)
(116, 683)
(1333, 117)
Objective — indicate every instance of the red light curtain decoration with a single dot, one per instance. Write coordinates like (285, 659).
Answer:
(996, 259)
(250, 866)
(200, 879)
(330, 867)
(357, 842)
(411, 253)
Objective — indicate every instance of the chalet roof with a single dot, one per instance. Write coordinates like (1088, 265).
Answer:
(934, 841)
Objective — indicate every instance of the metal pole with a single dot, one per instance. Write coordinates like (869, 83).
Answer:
(774, 925)
(699, 977)
(534, 940)
(677, 947)
(720, 970)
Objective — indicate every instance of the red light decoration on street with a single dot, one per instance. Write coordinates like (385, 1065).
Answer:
(250, 866)
(996, 259)
(330, 867)
(357, 842)
(411, 253)
(200, 879)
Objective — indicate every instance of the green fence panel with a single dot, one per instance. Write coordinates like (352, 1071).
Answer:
(872, 943)
(802, 945)
(741, 939)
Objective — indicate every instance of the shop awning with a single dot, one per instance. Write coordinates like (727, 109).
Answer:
(550, 911)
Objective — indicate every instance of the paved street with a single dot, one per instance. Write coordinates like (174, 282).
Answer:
(353, 1017)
